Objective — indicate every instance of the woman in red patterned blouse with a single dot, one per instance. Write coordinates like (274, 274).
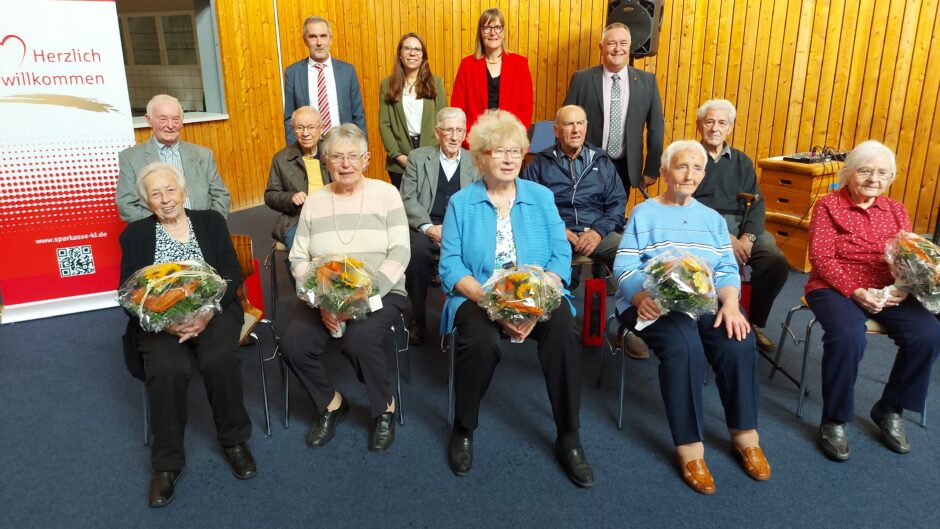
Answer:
(847, 239)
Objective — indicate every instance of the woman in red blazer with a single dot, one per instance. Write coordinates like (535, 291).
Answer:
(492, 77)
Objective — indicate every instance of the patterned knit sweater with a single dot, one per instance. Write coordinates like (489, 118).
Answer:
(378, 236)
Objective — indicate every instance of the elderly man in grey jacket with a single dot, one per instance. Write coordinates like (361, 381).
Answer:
(204, 186)
(432, 176)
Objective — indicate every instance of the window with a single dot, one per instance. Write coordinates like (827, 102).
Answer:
(173, 50)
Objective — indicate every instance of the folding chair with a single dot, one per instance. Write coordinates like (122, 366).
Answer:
(871, 327)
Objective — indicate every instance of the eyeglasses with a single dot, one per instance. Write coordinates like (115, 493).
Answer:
(163, 120)
(300, 129)
(492, 29)
(501, 153)
(352, 157)
(411, 49)
(612, 45)
(879, 174)
(452, 130)
(709, 123)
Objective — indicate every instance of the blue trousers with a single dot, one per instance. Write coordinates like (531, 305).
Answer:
(913, 329)
(683, 346)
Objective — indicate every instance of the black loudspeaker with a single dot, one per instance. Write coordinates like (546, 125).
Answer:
(644, 18)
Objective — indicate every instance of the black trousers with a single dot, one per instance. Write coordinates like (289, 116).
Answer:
(418, 273)
(769, 272)
(683, 346)
(478, 354)
(168, 366)
(304, 343)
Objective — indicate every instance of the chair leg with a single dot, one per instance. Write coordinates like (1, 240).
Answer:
(783, 333)
(264, 386)
(146, 402)
(451, 361)
(809, 331)
(404, 346)
(284, 383)
(398, 330)
(623, 383)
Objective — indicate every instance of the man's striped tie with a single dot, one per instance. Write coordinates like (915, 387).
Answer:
(323, 100)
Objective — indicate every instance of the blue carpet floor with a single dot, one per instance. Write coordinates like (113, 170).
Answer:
(71, 451)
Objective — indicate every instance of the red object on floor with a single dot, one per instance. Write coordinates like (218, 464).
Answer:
(595, 310)
(253, 288)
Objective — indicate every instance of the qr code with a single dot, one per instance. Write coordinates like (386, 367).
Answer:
(75, 261)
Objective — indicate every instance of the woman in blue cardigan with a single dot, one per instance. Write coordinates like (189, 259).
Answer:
(503, 221)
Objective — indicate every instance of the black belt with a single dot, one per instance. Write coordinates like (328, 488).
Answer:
(415, 140)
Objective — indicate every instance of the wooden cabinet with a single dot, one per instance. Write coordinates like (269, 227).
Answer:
(790, 189)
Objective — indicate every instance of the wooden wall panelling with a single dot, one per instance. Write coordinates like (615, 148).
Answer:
(926, 156)
(919, 109)
(840, 82)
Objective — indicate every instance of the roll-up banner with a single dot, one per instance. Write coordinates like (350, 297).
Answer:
(64, 116)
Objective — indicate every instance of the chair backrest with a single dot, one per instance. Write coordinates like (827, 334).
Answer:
(246, 260)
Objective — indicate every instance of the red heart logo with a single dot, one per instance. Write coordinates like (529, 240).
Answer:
(22, 45)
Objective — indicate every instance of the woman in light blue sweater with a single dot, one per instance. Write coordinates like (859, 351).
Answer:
(676, 221)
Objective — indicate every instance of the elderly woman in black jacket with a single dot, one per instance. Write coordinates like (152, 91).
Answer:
(164, 359)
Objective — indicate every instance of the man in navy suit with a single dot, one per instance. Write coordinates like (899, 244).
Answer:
(620, 101)
(326, 84)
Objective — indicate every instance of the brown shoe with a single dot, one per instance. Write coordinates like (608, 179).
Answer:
(696, 475)
(764, 343)
(636, 348)
(754, 463)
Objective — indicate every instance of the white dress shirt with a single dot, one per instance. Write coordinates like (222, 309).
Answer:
(312, 75)
(414, 109)
(624, 102)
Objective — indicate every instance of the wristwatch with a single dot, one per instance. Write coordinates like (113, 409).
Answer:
(751, 237)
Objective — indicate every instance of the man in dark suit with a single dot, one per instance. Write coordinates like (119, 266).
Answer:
(329, 85)
(620, 101)
(432, 176)
(204, 186)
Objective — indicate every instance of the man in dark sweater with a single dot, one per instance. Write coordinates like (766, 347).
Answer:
(432, 176)
(727, 173)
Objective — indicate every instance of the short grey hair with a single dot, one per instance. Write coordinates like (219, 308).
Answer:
(156, 168)
(680, 146)
(315, 20)
(716, 104)
(863, 153)
(616, 25)
(163, 98)
(304, 110)
(451, 113)
(347, 132)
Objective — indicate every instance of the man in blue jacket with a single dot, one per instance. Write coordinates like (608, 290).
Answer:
(329, 85)
(588, 192)
(589, 195)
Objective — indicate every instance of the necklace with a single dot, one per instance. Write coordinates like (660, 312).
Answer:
(362, 198)
(496, 204)
(497, 60)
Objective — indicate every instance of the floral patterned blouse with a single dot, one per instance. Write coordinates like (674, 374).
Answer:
(169, 249)
(505, 243)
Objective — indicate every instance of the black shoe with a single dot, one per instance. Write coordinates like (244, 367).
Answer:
(163, 487)
(416, 332)
(383, 432)
(240, 459)
(833, 442)
(460, 453)
(325, 426)
(576, 465)
(892, 429)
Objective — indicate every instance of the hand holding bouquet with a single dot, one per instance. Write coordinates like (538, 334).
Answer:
(915, 265)
(680, 281)
(339, 285)
(521, 293)
(166, 294)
